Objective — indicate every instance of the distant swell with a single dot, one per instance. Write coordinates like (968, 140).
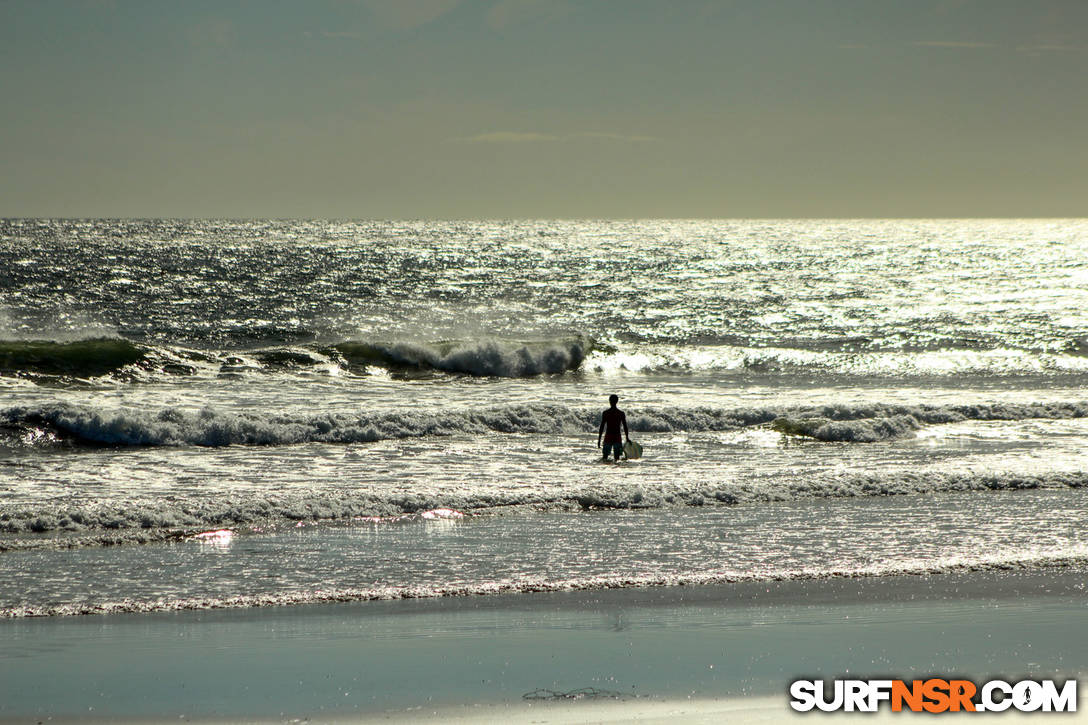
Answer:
(82, 359)
(61, 422)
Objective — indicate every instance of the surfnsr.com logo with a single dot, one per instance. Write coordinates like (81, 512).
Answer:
(933, 695)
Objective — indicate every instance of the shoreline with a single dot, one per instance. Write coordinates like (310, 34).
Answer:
(676, 653)
(762, 709)
(1000, 579)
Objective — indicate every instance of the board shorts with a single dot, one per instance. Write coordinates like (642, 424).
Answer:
(615, 448)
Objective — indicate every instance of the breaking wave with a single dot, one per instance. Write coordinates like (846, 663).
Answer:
(47, 424)
(114, 358)
(487, 358)
(123, 359)
(864, 431)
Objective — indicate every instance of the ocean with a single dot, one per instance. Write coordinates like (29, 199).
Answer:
(240, 414)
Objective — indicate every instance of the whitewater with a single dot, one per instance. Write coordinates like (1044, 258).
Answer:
(201, 414)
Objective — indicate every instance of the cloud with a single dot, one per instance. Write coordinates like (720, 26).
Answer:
(1049, 48)
(212, 33)
(510, 137)
(341, 34)
(513, 137)
(408, 14)
(1032, 48)
(614, 137)
(952, 44)
(506, 13)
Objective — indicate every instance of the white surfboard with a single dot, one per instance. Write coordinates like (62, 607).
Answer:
(632, 450)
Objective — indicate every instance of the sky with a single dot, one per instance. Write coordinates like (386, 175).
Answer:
(456, 109)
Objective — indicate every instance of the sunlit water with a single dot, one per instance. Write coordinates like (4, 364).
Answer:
(811, 396)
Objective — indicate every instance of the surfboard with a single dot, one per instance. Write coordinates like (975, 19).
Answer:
(632, 450)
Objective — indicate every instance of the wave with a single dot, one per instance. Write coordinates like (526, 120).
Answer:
(69, 524)
(126, 360)
(50, 424)
(869, 431)
(115, 358)
(483, 358)
(82, 359)
(1044, 561)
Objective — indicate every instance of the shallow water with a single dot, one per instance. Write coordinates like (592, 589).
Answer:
(414, 557)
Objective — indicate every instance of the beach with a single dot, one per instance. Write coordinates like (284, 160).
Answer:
(525, 361)
(663, 652)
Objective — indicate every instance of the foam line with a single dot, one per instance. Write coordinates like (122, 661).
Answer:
(145, 521)
(1040, 562)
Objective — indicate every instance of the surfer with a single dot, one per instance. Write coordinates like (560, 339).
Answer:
(611, 420)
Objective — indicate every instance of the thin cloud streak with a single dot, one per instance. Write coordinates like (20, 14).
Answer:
(513, 137)
(968, 45)
(510, 137)
(1049, 48)
(952, 44)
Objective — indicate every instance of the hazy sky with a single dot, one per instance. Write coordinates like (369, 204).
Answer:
(544, 108)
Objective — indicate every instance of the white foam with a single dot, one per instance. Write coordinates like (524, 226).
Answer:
(481, 358)
(211, 427)
(140, 521)
(967, 363)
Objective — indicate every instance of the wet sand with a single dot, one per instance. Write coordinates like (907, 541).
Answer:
(673, 653)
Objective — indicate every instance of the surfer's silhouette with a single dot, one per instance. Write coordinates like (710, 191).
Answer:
(611, 420)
